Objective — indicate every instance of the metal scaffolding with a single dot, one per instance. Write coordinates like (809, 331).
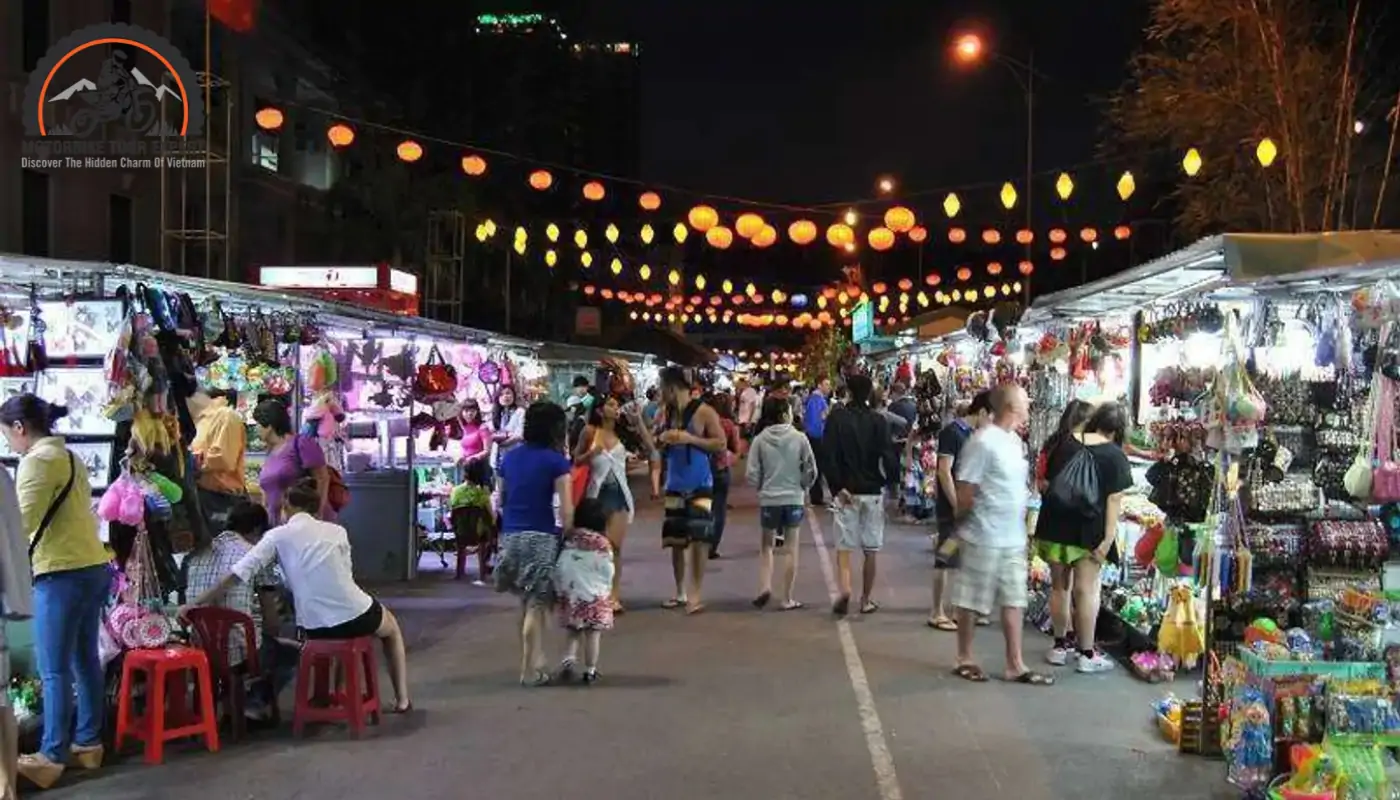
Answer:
(445, 266)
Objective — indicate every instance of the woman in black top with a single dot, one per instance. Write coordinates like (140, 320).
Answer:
(1076, 544)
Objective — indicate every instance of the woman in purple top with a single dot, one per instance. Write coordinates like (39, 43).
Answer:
(289, 458)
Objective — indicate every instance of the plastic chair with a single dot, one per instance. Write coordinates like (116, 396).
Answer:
(166, 668)
(351, 701)
(214, 631)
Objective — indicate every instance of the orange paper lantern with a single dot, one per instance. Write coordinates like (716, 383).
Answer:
(964, 273)
(1026, 267)
(991, 236)
(766, 236)
(540, 180)
(1122, 232)
(719, 237)
(918, 234)
(803, 231)
(269, 119)
(1024, 236)
(649, 201)
(881, 238)
(703, 218)
(593, 190)
(1089, 235)
(994, 268)
(841, 235)
(1058, 236)
(474, 166)
(1057, 254)
(933, 279)
(878, 288)
(748, 225)
(957, 235)
(905, 285)
(409, 151)
(340, 135)
(899, 219)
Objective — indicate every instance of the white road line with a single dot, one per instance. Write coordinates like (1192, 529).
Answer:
(880, 758)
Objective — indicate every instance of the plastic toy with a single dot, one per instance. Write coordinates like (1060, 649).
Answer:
(1181, 635)
(1249, 748)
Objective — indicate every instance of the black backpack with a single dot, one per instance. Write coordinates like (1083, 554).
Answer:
(1075, 489)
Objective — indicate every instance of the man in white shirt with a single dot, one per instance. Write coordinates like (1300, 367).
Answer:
(748, 408)
(993, 483)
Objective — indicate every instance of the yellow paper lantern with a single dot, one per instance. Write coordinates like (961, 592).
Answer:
(594, 191)
(581, 238)
(616, 266)
(719, 237)
(900, 219)
(1191, 163)
(1126, 186)
(551, 258)
(700, 283)
(649, 201)
(644, 272)
(766, 236)
(703, 218)
(951, 205)
(520, 245)
(340, 135)
(680, 232)
(1008, 196)
(881, 239)
(1266, 152)
(541, 180)
(586, 259)
(751, 290)
(552, 232)
(841, 235)
(647, 234)
(748, 225)
(474, 165)
(803, 231)
(1064, 186)
(409, 151)
(610, 233)
(674, 278)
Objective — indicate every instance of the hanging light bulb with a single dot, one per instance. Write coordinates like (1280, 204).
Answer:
(551, 231)
(520, 245)
(751, 290)
(951, 205)
(581, 238)
(1008, 196)
(644, 273)
(610, 233)
(1126, 186)
(616, 266)
(648, 233)
(1266, 152)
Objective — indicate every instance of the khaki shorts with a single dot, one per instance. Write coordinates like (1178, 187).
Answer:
(990, 578)
(860, 524)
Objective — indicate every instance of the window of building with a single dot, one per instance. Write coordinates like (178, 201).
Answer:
(121, 11)
(36, 233)
(121, 229)
(34, 32)
(264, 151)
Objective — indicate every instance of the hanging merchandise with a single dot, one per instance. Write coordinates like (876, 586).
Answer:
(1234, 409)
(435, 378)
(36, 354)
(12, 365)
(1385, 480)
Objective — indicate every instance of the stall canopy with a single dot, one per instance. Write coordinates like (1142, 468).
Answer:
(559, 353)
(1190, 270)
(663, 343)
(101, 280)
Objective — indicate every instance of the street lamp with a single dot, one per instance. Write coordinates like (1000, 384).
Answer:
(969, 49)
(886, 185)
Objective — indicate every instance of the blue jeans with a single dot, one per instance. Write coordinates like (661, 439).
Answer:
(67, 615)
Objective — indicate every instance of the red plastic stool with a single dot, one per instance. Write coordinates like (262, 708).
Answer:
(166, 669)
(351, 702)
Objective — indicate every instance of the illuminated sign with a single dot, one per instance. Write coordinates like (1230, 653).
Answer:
(319, 277)
(862, 322)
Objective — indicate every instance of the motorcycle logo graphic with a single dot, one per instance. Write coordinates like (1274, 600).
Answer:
(161, 98)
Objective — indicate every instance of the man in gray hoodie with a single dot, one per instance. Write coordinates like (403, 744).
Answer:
(783, 467)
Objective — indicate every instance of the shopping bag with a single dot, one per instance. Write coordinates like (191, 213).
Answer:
(435, 377)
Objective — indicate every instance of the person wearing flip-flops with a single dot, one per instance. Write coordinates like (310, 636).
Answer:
(950, 443)
(993, 487)
(781, 464)
(861, 463)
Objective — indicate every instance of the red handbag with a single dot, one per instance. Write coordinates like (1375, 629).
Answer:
(581, 474)
(435, 377)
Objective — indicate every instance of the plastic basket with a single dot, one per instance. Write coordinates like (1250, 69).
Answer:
(1344, 670)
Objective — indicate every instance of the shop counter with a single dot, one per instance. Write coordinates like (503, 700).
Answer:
(379, 521)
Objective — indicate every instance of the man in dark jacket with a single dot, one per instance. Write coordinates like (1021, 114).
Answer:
(860, 464)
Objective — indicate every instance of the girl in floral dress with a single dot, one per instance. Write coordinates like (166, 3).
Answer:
(583, 585)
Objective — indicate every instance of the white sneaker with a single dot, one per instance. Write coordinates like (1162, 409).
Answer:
(1096, 663)
(1058, 656)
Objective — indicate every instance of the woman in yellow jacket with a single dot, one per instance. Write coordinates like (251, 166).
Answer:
(71, 586)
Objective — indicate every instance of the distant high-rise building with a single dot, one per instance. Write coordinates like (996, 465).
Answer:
(537, 90)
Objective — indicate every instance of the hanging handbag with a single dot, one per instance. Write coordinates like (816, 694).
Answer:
(1358, 479)
(1385, 481)
(435, 377)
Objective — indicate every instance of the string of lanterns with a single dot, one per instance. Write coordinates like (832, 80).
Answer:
(747, 225)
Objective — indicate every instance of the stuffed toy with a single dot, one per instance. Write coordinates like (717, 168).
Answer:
(324, 417)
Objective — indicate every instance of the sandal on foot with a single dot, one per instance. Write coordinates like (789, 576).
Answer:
(86, 756)
(869, 607)
(1033, 678)
(590, 677)
(842, 606)
(762, 599)
(565, 673)
(970, 672)
(541, 678)
(791, 605)
(983, 622)
(401, 709)
(674, 602)
(698, 608)
(39, 770)
(943, 624)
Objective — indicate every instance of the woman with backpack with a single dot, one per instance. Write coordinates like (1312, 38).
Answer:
(1077, 531)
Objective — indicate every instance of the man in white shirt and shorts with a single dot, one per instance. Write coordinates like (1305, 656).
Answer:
(993, 483)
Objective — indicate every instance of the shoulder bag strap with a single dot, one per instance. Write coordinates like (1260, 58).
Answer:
(54, 506)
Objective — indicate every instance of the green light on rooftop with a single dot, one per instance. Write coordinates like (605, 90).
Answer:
(509, 20)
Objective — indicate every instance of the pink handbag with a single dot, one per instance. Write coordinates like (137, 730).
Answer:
(1385, 481)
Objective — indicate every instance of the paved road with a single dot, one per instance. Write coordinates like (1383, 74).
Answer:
(729, 704)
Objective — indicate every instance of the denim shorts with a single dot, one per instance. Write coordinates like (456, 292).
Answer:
(773, 518)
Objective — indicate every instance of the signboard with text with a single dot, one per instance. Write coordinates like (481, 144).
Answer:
(862, 322)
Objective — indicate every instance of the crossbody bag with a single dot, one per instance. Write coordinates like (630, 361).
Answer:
(54, 506)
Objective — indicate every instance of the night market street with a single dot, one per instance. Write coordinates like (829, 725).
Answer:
(731, 703)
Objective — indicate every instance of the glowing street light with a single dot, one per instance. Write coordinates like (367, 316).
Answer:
(1358, 127)
(886, 184)
(850, 216)
(968, 47)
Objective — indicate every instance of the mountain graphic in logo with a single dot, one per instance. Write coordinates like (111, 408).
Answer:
(83, 85)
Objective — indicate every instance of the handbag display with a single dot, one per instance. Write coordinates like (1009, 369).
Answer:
(1294, 494)
(1358, 544)
(1358, 479)
(1385, 480)
(435, 377)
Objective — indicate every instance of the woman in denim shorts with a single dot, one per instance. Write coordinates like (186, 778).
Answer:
(782, 466)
